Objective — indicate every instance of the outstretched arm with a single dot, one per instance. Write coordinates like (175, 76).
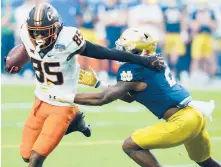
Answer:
(112, 93)
(90, 78)
(99, 52)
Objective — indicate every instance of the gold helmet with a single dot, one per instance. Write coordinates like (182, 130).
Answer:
(136, 41)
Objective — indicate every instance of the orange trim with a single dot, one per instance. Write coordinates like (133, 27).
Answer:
(42, 28)
(40, 18)
(39, 28)
(35, 15)
(32, 40)
(154, 62)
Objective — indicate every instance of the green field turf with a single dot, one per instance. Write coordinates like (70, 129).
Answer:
(111, 124)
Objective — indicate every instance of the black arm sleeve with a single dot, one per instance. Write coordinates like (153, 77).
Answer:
(100, 52)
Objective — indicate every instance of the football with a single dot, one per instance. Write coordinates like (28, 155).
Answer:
(16, 59)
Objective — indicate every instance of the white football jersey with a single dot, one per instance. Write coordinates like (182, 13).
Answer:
(54, 66)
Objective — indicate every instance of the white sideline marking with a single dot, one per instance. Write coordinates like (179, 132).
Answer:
(123, 108)
(118, 108)
(70, 144)
(6, 106)
(88, 143)
(20, 124)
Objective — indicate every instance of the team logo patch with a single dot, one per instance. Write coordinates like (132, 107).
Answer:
(126, 76)
(60, 47)
(50, 16)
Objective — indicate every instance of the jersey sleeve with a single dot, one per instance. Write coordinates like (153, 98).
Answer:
(130, 73)
(74, 39)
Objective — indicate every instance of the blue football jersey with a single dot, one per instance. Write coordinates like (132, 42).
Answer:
(162, 91)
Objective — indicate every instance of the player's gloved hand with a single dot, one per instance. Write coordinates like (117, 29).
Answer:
(11, 70)
(88, 78)
(156, 62)
(54, 94)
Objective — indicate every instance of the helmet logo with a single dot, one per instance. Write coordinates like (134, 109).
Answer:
(146, 35)
(50, 16)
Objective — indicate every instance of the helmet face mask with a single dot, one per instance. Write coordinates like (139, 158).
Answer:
(43, 25)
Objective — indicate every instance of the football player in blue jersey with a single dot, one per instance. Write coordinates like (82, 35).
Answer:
(158, 92)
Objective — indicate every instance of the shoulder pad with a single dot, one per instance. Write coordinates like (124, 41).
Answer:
(130, 72)
(72, 38)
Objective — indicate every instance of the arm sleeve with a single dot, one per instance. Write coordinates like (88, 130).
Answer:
(100, 52)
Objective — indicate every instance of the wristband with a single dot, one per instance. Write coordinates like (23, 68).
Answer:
(102, 85)
(97, 84)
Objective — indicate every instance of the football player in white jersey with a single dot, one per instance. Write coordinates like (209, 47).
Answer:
(53, 50)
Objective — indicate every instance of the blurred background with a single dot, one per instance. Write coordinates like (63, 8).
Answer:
(188, 31)
(189, 37)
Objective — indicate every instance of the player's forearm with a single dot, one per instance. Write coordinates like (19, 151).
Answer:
(92, 99)
(88, 102)
(98, 99)
(100, 52)
(104, 86)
